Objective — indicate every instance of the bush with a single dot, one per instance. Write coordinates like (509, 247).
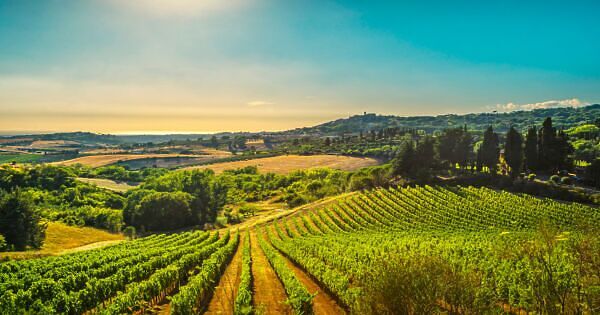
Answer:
(2, 243)
(415, 285)
(566, 180)
(129, 232)
(247, 210)
(555, 179)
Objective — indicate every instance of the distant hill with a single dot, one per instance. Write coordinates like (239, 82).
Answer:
(79, 137)
(564, 117)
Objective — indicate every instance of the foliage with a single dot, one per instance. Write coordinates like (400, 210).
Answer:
(200, 191)
(20, 223)
(592, 174)
(200, 286)
(160, 211)
(243, 299)
(487, 155)
(298, 296)
(420, 250)
(104, 279)
(57, 196)
(513, 152)
(565, 116)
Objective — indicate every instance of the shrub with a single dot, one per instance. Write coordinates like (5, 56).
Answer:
(129, 232)
(566, 180)
(415, 285)
(247, 210)
(2, 243)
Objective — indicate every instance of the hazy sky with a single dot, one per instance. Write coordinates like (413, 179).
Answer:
(125, 66)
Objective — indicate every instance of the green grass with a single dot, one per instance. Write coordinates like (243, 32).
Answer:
(20, 158)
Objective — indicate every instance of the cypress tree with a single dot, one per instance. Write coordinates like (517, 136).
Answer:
(547, 153)
(489, 150)
(531, 149)
(513, 151)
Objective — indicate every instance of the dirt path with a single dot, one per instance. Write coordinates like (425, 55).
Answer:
(323, 303)
(269, 294)
(223, 299)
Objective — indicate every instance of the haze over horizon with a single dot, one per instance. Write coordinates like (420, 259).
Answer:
(158, 66)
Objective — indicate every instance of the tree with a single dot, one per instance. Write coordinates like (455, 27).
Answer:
(547, 154)
(327, 142)
(489, 150)
(424, 158)
(20, 224)
(162, 211)
(454, 146)
(513, 151)
(563, 149)
(531, 149)
(214, 142)
(592, 173)
(404, 162)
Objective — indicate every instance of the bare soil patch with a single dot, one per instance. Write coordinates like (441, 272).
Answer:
(269, 294)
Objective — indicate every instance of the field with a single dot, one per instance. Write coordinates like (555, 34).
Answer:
(477, 248)
(109, 184)
(107, 159)
(288, 163)
(61, 239)
(20, 158)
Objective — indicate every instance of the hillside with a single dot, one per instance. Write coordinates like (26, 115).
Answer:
(564, 117)
(479, 249)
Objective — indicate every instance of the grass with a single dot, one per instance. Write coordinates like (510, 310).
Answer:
(109, 184)
(62, 238)
(285, 164)
(20, 158)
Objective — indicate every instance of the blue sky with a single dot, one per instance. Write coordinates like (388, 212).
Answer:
(197, 66)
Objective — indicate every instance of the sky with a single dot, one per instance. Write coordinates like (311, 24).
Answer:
(183, 66)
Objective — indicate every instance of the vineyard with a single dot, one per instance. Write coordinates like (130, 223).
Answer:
(478, 240)
(461, 249)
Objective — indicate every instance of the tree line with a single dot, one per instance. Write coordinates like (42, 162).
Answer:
(543, 150)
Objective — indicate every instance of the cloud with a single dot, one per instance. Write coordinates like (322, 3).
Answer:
(571, 102)
(259, 103)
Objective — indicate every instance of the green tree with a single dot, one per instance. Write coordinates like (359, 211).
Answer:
(531, 149)
(161, 211)
(454, 146)
(513, 151)
(20, 223)
(489, 150)
(592, 173)
(547, 153)
(404, 162)
(563, 149)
